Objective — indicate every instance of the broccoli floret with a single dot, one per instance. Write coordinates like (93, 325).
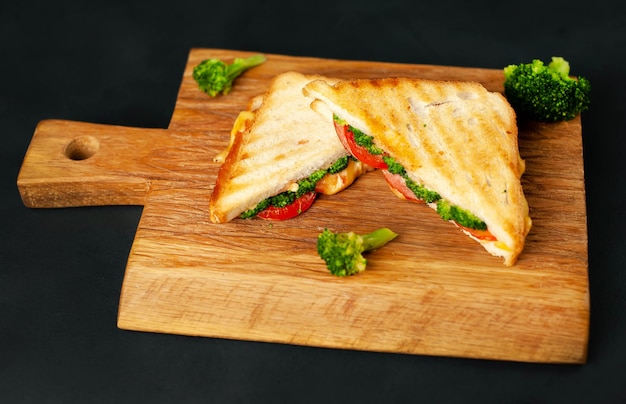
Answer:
(546, 93)
(343, 252)
(214, 76)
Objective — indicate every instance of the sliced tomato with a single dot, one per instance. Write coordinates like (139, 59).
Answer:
(397, 184)
(359, 152)
(479, 234)
(292, 210)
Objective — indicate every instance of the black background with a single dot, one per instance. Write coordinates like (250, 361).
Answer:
(120, 62)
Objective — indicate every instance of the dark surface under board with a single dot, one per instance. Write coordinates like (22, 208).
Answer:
(120, 63)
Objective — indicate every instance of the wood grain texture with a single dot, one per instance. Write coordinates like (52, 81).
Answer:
(432, 291)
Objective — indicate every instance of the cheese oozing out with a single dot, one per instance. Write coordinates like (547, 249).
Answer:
(331, 184)
(242, 123)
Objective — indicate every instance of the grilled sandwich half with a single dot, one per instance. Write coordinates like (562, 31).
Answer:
(450, 144)
(278, 147)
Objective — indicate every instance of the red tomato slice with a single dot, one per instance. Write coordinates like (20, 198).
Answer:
(479, 234)
(292, 210)
(398, 185)
(359, 152)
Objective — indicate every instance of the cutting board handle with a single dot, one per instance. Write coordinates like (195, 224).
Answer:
(71, 163)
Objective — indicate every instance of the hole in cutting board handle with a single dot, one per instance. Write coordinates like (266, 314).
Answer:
(82, 147)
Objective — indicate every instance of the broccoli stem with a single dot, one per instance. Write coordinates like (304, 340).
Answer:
(377, 238)
(239, 65)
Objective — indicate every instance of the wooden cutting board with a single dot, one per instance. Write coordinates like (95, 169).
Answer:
(432, 291)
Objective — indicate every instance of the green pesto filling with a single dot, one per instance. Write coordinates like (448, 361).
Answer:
(420, 191)
(361, 138)
(461, 216)
(444, 208)
(305, 186)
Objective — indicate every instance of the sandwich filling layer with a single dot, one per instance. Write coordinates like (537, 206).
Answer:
(327, 181)
(399, 181)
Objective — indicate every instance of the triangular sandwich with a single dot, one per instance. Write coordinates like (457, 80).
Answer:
(281, 155)
(450, 144)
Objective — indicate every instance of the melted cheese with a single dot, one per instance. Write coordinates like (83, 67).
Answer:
(502, 246)
(334, 183)
(242, 123)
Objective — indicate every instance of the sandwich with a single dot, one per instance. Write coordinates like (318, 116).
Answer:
(281, 155)
(449, 144)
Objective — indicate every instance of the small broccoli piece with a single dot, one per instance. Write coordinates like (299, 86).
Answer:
(214, 76)
(546, 93)
(343, 252)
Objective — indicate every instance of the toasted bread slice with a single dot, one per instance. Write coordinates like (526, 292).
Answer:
(286, 141)
(455, 138)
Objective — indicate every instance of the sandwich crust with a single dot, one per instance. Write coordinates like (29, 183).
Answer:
(285, 143)
(453, 137)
